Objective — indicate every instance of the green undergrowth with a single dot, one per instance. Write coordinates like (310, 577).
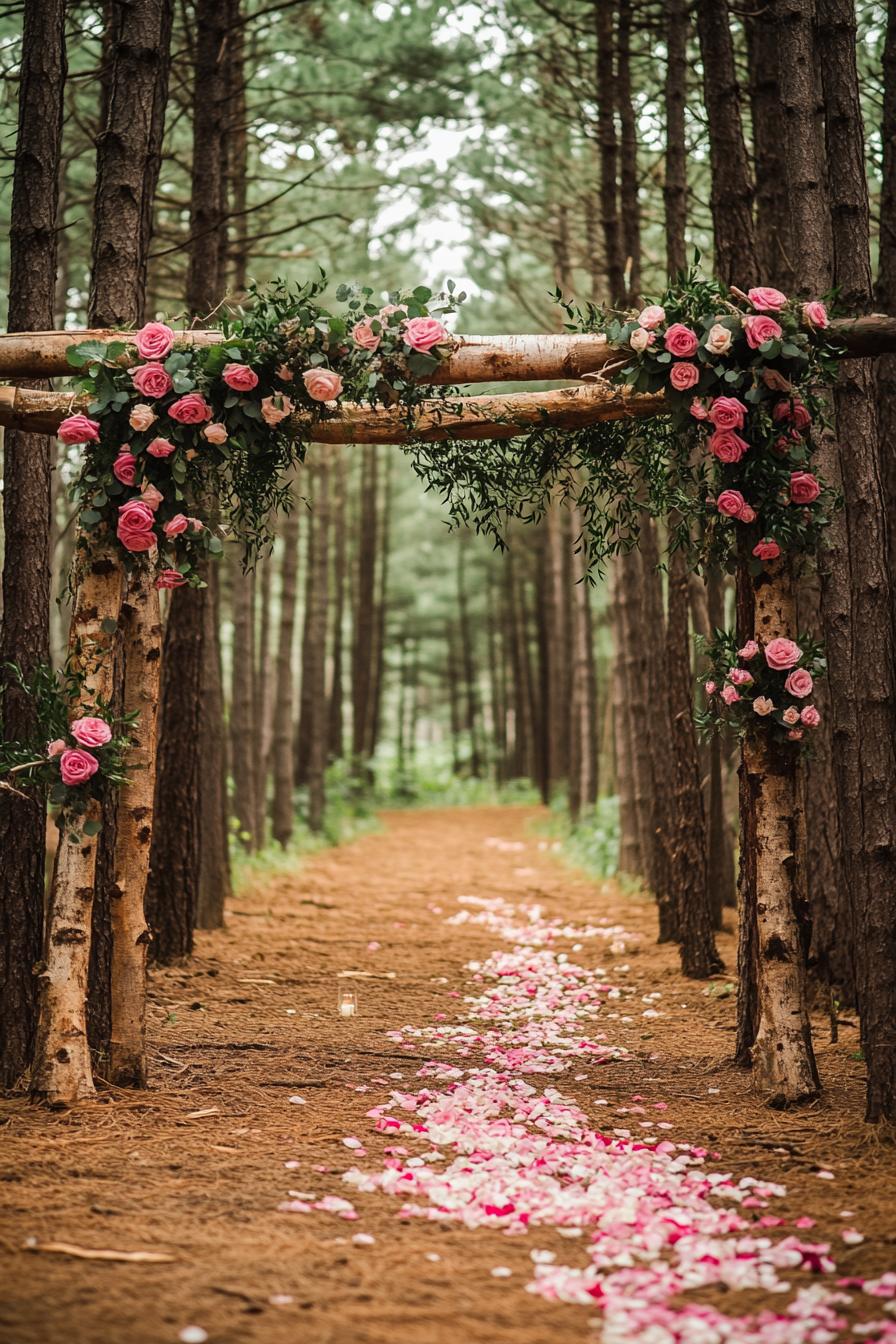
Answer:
(592, 843)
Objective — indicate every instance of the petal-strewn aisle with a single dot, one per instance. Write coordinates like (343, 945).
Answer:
(540, 1134)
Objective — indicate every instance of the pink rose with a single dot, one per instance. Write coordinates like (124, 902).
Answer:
(285, 373)
(389, 308)
(767, 549)
(161, 448)
(718, 340)
(215, 432)
(760, 329)
(739, 676)
(815, 314)
(151, 497)
(727, 446)
(683, 376)
(810, 716)
(79, 429)
(767, 300)
(135, 526)
(747, 514)
(698, 410)
(641, 339)
(651, 317)
(170, 578)
(730, 695)
(175, 526)
(791, 715)
(795, 734)
(762, 705)
(91, 732)
(749, 650)
(422, 333)
(780, 654)
(275, 409)
(196, 524)
(124, 467)
(709, 687)
(151, 380)
(799, 683)
(154, 340)
(680, 341)
(191, 409)
(727, 413)
(730, 503)
(794, 410)
(239, 377)
(56, 748)
(141, 417)
(804, 488)
(364, 335)
(76, 767)
(322, 384)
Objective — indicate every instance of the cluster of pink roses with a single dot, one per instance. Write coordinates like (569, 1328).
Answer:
(782, 657)
(77, 764)
(418, 333)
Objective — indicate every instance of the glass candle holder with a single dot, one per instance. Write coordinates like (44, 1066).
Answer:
(347, 1003)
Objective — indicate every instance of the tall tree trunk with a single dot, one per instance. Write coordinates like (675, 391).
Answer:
(242, 694)
(631, 666)
(363, 625)
(582, 699)
(27, 493)
(732, 189)
(261, 708)
(189, 752)
(340, 557)
(775, 250)
(282, 806)
(630, 211)
(129, 156)
(136, 54)
(675, 180)
(858, 591)
(886, 272)
(382, 609)
(614, 261)
(632, 859)
(316, 609)
(214, 885)
(468, 658)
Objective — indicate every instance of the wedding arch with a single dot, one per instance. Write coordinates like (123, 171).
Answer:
(700, 406)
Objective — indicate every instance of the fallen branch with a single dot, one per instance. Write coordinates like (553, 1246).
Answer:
(86, 1253)
(489, 417)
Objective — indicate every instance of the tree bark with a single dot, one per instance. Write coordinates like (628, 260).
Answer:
(242, 725)
(630, 209)
(129, 155)
(363, 625)
(142, 650)
(214, 880)
(282, 805)
(335, 710)
(775, 250)
(62, 1073)
(314, 668)
(27, 494)
(858, 592)
(732, 189)
(606, 93)
(675, 179)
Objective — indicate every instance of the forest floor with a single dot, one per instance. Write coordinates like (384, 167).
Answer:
(195, 1168)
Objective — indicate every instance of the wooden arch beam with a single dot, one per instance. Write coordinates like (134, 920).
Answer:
(489, 417)
(474, 359)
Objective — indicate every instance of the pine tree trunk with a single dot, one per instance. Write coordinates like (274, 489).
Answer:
(630, 209)
(242, 693)
(775, 252)
(632, 859)
(282, 806)
(27, 494)
(885, 292)
(262, 699)
(582, 699)
(632, 669)
(62, 1073)
(314, 681)
(336, 747)
(142, 649)
(129, 156)
(382, 607)
(606, 95)
(468, 659)
(675, 180)
(363, 625)
(732, 189)
(858, 591)
(214, 812)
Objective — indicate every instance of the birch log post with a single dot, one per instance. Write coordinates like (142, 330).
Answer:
(142, 650)
(61, 1074)
(782, 1055)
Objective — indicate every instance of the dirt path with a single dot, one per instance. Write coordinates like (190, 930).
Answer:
(196, 1167)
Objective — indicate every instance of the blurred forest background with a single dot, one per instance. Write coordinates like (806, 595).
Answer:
(519, 147)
